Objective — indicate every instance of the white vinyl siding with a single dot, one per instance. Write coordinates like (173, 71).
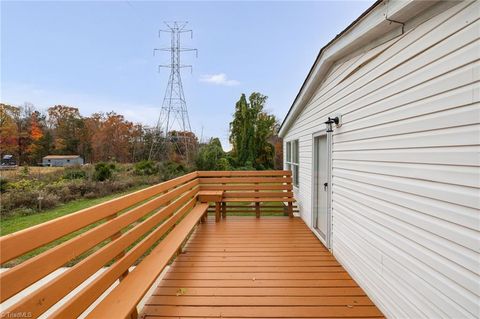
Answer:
(405, 166)
(292, 160)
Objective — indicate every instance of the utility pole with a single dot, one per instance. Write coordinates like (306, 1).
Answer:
(173, 113)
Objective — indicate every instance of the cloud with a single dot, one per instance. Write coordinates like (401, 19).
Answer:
(218, 79)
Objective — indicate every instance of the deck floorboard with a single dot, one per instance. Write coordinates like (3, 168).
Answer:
(244, 267)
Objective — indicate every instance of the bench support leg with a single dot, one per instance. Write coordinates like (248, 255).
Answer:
(257, 210)
(224, 210)
(290, 209)
(134, 314)
(217, 212)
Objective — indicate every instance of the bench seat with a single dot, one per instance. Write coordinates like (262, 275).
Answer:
(206, 196)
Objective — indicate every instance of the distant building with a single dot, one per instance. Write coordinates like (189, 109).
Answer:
(8, 160)
(62, 160)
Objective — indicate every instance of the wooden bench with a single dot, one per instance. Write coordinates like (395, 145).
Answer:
(215, 196)
(252, 187)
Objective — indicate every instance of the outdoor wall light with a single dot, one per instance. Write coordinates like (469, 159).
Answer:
(333, 120)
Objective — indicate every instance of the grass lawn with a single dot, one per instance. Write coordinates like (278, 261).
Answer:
(16, 223)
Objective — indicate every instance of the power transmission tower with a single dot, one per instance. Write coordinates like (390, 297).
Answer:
(173, 114)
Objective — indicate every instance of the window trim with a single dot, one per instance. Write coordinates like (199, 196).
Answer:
(292, 160)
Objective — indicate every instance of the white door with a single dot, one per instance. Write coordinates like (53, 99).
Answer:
(321, 216)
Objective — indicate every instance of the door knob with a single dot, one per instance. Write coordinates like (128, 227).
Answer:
(325, 185)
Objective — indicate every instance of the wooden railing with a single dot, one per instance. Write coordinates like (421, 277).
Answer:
(151, 224)
(251, 192)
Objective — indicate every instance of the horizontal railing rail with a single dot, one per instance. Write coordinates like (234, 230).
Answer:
(19, 243)
(251, 192)
(145, 228)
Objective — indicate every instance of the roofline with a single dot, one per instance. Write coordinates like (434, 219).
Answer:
(371, 25)
(61, 156)
(320, 54)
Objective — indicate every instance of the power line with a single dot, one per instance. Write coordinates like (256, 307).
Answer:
(174, 113)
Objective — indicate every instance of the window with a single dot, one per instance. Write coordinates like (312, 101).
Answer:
(292, 160)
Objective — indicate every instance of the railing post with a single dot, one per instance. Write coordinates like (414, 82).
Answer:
(224, 204)
(290, 205)
(217, 212)
(257, 204)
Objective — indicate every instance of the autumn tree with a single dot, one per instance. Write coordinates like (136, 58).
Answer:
(29, 135)
(9, 116)
(112, 137)
(39, 139)
(250, 132)
(68, 125)
(140, 141)
(24, 133)
(182, 145)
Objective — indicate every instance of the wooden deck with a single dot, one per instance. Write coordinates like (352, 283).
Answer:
(244, 267)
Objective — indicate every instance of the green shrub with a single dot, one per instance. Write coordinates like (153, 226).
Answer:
(13, 200)
(169, 170)
(25, 171)
(212, 157)
(223, 164)
(25, 185)
(49, 201)
(90, 195)
(3, 185)
(146, 168)
(248, 167)
(21, 196)
(74, 173)
(103, 171)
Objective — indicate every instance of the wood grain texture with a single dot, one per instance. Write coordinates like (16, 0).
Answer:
(244, 267)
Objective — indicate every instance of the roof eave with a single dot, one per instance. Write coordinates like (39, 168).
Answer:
(367, 27)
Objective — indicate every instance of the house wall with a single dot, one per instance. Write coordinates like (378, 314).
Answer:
(405, 165)
(62, 162)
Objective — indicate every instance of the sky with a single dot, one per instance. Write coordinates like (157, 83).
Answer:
(98, 55)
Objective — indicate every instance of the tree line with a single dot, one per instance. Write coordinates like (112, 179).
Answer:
(30, 134)
(253, 136)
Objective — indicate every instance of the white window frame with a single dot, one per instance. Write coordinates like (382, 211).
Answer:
(292, 160)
